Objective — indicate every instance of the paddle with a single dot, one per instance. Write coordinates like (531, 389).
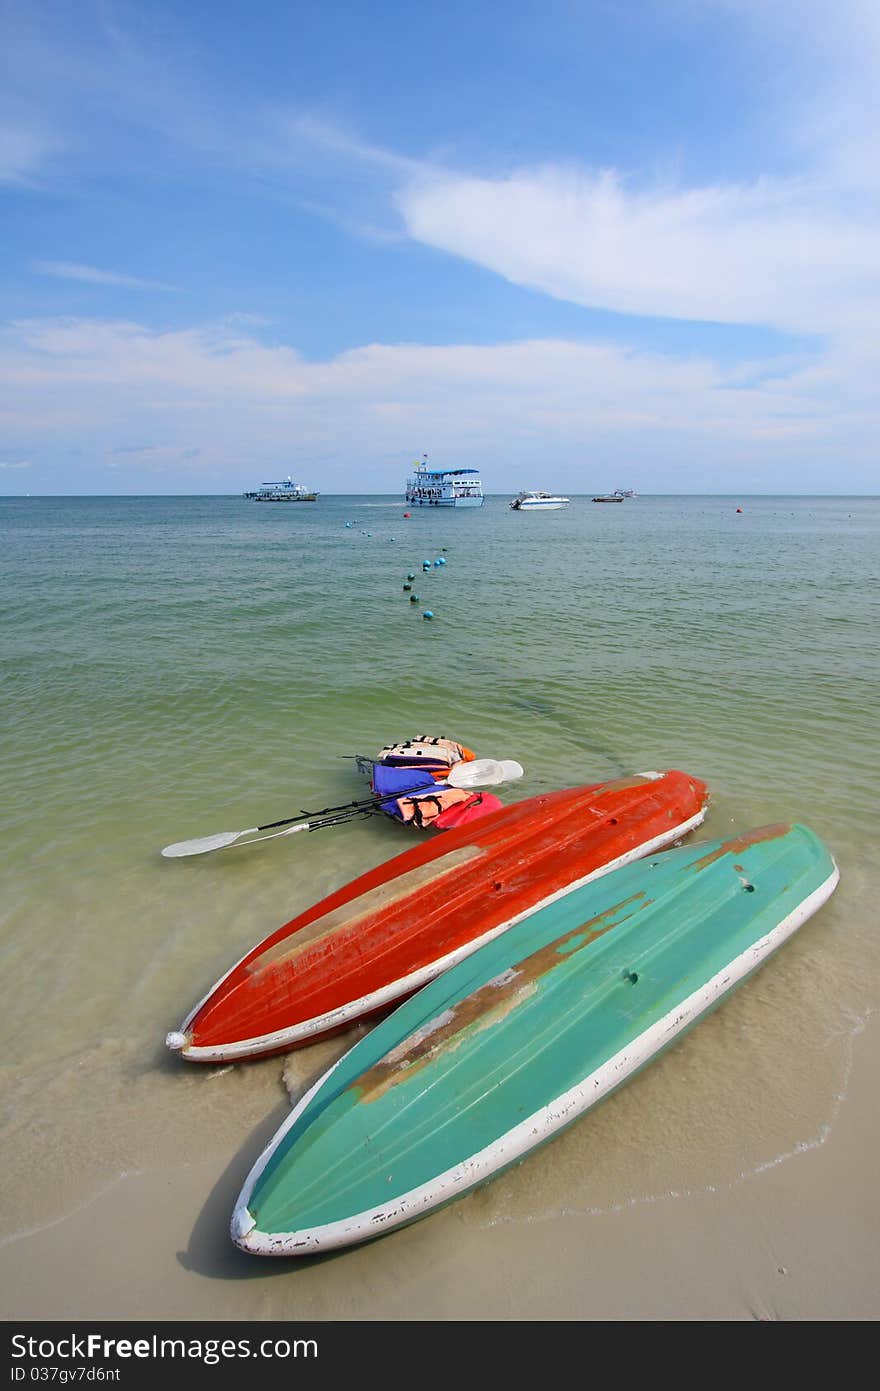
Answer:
(479, 772)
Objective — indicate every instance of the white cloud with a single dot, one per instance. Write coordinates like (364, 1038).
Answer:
(91, 275)
(774, 253)
(19, 463)
(799, 253)
(689, 424)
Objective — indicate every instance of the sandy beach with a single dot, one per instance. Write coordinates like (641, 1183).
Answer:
(789, 1241)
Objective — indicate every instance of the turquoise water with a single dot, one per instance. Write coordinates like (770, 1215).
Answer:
(179, 666)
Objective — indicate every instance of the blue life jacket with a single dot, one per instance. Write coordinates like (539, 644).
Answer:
(385, 781)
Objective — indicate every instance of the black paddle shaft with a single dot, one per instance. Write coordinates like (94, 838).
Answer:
(349, 809)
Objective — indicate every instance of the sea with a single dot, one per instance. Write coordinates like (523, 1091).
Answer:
(179, 666)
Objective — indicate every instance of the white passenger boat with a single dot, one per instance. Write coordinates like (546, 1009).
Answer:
(446, 487)
(285, 491)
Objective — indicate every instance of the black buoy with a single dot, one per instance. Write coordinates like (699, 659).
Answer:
(407, 586)
(414, 598)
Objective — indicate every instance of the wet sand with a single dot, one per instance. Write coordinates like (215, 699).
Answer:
(795, 1240)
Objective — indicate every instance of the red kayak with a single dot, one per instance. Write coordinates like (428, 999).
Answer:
(389, 931)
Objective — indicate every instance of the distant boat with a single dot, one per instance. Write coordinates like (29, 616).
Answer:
(285, 491)
(538, 502)
(617, 496)
(447, 487)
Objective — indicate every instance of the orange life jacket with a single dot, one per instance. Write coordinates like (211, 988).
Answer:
(422, 810)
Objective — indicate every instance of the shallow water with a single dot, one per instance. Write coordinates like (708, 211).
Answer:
(179, 666)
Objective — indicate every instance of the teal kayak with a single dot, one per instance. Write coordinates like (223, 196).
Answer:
(508, 1047)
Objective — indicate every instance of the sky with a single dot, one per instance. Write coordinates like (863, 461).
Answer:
(577, 244)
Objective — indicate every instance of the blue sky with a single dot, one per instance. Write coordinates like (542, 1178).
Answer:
(579, 244)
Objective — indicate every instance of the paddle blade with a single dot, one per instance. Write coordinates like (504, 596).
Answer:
(200, 847)
(511, 769)
(483, 772)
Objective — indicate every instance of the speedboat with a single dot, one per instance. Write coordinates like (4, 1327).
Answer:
(618, 495)
(538, 502)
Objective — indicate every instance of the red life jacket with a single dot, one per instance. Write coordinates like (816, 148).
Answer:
(478, 804)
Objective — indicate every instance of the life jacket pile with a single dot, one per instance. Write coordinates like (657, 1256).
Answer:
(424, 751)
(423, 763)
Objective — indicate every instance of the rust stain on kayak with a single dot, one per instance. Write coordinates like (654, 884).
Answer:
(377, 900)
(737, 844)
(487, 1005)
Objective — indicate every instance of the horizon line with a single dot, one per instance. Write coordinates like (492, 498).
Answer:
(35, 497)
